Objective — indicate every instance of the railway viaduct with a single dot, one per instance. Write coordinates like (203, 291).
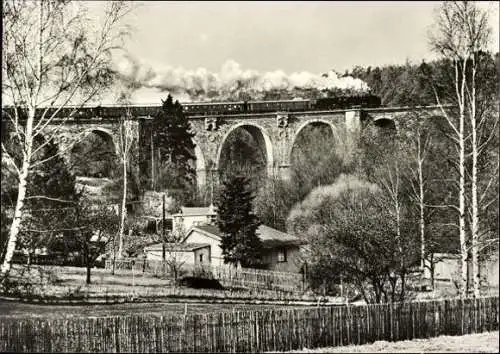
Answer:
(275, 132)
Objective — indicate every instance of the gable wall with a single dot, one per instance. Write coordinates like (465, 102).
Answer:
(215, 251)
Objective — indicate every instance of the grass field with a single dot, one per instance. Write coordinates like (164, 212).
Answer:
(70, 281)
(64, 280)
(57, 280)
(122, 279)
(17, 309)
(472, 343)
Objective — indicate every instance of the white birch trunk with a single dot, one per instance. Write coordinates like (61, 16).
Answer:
(21, 195)
(124, 208)
(398, 228)
(16, 222)
(422, 224)
(474, 201)
(461, 208)
(152, 163)
(421, 204)
(398, 211)
(461, 192)
(475, 221)
(397, 208)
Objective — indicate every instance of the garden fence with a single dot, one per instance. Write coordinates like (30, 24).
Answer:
(228, 276)
(252, 331)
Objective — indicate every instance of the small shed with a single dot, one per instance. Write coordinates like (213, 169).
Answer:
(448, 266)
(188, 253)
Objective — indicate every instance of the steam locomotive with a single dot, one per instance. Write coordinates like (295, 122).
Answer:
(243, 107)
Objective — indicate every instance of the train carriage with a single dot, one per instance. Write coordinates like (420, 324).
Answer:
(281, 105)
(213, 108)
(221, 108)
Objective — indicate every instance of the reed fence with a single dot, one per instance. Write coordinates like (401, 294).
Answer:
(252, 331)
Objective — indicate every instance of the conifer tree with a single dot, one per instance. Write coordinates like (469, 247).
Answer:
(173, 142)
(51, 191)
(52, 179)
(238, 223)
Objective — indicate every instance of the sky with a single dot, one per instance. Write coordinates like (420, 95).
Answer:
(252, 38)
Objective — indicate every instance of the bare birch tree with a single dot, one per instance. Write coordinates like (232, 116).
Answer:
(419, 149)
(391, 176)
(421, 170)
(462, 32)
(54, 55)
(126, 140)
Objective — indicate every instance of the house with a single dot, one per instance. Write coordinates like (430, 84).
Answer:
(490, 270)
(189, 217)
(185, 253)
(281, 250)
(448, 267)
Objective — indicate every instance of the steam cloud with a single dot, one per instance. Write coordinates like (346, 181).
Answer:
(231, 83)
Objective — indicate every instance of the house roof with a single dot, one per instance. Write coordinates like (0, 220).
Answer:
(270, 237)
(177, 247)
(188, 211)
(210, 229)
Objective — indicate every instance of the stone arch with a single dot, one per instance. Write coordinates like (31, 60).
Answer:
(105, 134)
(259, 134)
(385, 123)
(335, 132)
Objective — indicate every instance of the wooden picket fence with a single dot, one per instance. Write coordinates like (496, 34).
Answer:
(251, 278)
(228, 276)
(252, 331)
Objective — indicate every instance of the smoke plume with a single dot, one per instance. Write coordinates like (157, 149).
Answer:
(232, 82)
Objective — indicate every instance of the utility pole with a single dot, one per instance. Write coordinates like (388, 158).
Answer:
(304, 276)
(114, 255)
(152, 162)
(163, 234)
(211, 187)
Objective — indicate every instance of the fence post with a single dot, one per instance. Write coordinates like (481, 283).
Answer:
(257, 347)
(184, 333)
(462, 311)
(391, 323)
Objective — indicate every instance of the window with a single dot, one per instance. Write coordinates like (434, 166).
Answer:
(201, 258)
(282, 255)
(212, 219)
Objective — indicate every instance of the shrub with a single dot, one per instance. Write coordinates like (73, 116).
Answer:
(201, 283)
